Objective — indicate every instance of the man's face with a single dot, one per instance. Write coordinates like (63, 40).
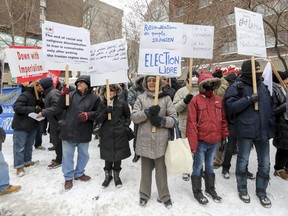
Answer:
(39, 88)
(81, 86)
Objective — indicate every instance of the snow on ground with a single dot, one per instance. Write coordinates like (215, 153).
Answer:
(42, 191)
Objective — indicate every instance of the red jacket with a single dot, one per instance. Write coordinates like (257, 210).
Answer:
(206, 121)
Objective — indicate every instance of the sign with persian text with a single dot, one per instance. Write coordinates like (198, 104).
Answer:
(250, 33)
(109, 56)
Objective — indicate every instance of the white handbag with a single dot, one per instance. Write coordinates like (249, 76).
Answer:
(178, 156)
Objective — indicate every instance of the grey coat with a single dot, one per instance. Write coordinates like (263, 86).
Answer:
(148, 144)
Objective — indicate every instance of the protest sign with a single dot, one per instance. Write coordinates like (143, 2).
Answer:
(63, 44)
(25, 61)
(109, 56)
(250, 33)
(160, 49)
(198, 41)
(113, 77)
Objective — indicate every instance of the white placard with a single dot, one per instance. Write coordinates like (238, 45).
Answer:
(113, 77)
(66, 44)
(160, 62)
(198, 41)
(24, 62)
(109, 56)
(161, 35)
(250, 33)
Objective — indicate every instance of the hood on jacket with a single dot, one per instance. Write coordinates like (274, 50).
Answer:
(138, 83)
(46, 82)
(145, 82)
(208, 78)
(84, 78)
(111, 86)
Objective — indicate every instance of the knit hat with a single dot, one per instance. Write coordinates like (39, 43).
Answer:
(84, 78)
(218, 74)
(194, 72)
(247, 68)
(283, 76)
(46, 82)
(231, 77)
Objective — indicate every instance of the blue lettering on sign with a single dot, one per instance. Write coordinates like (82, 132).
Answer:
(168, 70)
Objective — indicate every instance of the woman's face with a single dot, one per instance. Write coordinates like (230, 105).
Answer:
(151, 84)
(112, 93)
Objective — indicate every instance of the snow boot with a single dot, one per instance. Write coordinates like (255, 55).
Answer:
(117, 180)
(265, 201)
(210, 188)
(196, 188)
(108, 178)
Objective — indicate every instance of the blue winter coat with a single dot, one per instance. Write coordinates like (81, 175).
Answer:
(249, 123)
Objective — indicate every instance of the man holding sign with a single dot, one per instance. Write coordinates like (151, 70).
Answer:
(252, 127)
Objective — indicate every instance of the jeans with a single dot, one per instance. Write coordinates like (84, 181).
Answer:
(205, 152)
(263, 155)
(23, 142)
(4, 173)
(68, 159)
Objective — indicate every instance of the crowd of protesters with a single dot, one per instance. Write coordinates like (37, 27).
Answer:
(216, 113)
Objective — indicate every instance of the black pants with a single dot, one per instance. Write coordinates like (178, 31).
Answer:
(40, 131)
(57, 143)
(281, 159)
(135, 132)
(116, 165)
(230, 148)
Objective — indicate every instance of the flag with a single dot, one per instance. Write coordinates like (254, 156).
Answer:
(267, 75)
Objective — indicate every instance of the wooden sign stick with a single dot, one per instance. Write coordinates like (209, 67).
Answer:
(254, 83)
(67, 83)
(108, 97)
(190, 76)
(156, 97)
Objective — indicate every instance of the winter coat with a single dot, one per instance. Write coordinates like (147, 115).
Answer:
(25, 104)
(148, 144)
(223, 87)
(52, 111)
(114, 144)
(170, 91)
(135, 90)
(249, 123)
(206, 119)
(70, 128)
(181, 107)
(281, 119)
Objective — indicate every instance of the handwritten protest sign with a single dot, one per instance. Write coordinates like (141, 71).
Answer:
(160, 49)
(67, 45)
(250, 33)
(109, 56)
(198, 41)
(115, 77)
(25, 61)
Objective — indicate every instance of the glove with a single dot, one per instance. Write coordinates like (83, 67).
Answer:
(65, 90)
(154, 110)
(37, 110)
(82, 117)
(158, 121)
(253, 98)
(188, 98)
(223, 144)
(108, 109)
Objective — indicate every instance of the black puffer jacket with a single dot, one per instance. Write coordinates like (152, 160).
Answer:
(25, 104)
(281, 127)
(114, 144)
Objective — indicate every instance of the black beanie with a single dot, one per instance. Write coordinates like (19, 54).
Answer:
(46, 82)
(84, 78)
(218, 74)
(247, 68)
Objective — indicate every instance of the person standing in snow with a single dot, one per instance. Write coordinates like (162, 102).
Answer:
(206, 126)
(114, 144)
(252, 127)
(76, 129)
(181, 101)
(152, 146)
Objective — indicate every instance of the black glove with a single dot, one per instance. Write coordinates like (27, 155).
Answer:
(253, 98)
(188, 98)
(37, 110)
(158, 121)
(152, 111)
(223, 144)
(108, 109)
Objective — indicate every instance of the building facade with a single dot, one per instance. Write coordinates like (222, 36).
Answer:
(220, 14)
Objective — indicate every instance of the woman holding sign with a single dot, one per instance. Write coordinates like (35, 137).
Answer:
(152, 146)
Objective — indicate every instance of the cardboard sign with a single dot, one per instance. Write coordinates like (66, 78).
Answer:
(109, 56)
(250, 33)
(65, 44)
(198, 41)
(113, 77)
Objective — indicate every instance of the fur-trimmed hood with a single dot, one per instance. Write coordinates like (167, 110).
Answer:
(208, 78)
